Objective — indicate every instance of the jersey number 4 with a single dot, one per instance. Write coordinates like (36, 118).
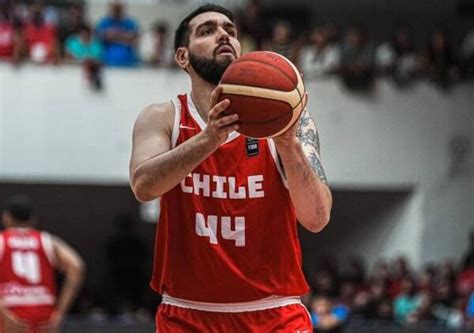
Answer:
(26, 265)
(207, 227)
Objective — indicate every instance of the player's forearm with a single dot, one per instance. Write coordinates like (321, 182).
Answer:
(70, 288)
(161, 173)
(310, 196)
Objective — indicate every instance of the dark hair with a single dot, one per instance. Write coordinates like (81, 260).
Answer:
(181, 36)
(19, 207)
(84, 27)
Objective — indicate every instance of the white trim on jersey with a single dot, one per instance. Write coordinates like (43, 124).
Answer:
(261, 304)
(273, 151)
(177, 120)
(28, 300)
(47, 242)
(197, 117)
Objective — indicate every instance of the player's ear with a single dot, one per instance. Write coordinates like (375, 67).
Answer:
(182, 57)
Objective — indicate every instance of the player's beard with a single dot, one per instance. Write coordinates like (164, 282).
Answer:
(209, 70)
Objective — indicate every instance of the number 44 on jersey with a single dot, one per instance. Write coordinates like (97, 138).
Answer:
(208, 227)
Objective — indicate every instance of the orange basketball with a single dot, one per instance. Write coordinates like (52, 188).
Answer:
(267, 92)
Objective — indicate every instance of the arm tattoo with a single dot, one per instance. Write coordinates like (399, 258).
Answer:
(308, 135)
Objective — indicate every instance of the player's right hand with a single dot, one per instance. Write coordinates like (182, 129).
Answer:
(219, 125)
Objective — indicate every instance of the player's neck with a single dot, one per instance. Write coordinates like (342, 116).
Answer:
(201, 94)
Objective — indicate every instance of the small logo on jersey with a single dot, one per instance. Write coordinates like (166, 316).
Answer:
(252, 147)
(186, 127)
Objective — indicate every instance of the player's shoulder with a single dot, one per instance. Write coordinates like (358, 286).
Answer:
(157, 114)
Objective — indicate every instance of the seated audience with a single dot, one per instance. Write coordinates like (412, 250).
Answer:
(440, 63)
(86, 49)
(40, 38)
(357, 60)
(326, 316)
(397, 58)
(119, 35)
(155, 47)
(319, 58)
(10, 36)
(281, 41)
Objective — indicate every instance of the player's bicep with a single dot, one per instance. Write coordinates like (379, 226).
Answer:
(65, 256)
(151, 136)
(308, 136)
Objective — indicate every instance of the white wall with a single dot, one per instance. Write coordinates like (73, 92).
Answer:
(54, 129)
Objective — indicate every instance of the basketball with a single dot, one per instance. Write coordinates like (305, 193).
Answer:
(267, 92)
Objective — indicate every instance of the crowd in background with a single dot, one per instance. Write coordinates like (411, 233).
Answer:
(342, 292)
(50, 35)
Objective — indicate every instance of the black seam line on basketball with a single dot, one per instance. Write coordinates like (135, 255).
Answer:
(264, 63)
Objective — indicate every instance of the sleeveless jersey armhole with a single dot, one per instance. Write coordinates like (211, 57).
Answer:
(47, 242)
(177, 119)
(273, 151)
(2, 246)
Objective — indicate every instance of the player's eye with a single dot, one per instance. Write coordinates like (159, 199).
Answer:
(206, 31)
(231, 32)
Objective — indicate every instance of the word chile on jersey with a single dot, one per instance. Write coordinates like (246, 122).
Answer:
(228, 232)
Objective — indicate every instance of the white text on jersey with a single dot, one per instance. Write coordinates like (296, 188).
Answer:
(223, 187)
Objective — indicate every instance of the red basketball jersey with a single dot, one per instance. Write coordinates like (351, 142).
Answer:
(26, 272)
(228, 232)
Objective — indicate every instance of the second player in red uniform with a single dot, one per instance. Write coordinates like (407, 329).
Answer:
(28, 259)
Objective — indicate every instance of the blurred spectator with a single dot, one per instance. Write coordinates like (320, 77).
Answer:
(70, 24)
(468, 260)
(250, 23)
(423, 310)
(470, 311)
(465, 281)
(426, 278)
(126, 255)
(357, 60)
(333, 33)
(467, 54)
(119, 34)
(407, 302)
(440, 62)
(319, 57)
(380, 305)
(83, 47)
(325, 281)
(248, 43)
(327, 317)
(40, 37)
(281, 41)
(10, 36)
(380, 271)
(444, 307)
(155, 48)
(399, 271)
(397, 58)
(444, 292)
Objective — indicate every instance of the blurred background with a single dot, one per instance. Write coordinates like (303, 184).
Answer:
(390, 86)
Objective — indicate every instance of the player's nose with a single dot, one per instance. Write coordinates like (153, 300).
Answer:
(223, 35)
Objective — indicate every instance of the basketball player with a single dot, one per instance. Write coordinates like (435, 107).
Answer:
(227, 256)
(28, 260)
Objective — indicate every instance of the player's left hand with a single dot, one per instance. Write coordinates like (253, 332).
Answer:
(289, 137)
(52, 325)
